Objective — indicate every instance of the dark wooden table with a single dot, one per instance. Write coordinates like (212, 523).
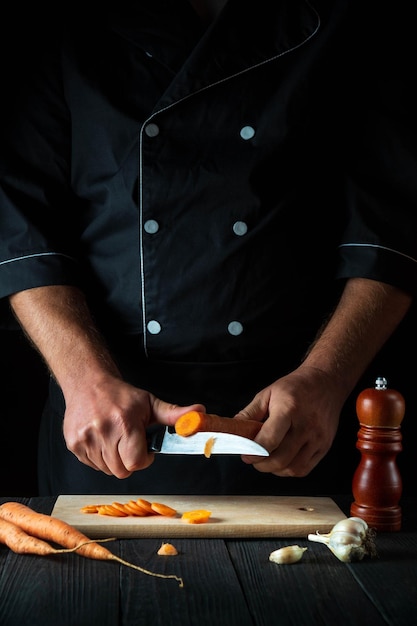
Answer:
(226, 582)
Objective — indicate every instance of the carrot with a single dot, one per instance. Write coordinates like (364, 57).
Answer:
(167, 549)
(208, 447)
(139, 508)
(20, 542)
(163, 509)
(90, 508)
(53, 529)
(146, 506)
(120, 507)
(198, 516)
(194, 421)
(109, 509)
(135, 509)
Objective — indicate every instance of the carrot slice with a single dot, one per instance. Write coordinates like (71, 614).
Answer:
(139, 508)
(146, 505)
(163, 509)
(108, 509)
(167, 549)
(133, 509)
(208, 447)
(119, 506)
(198, 516)
(90, 508)
(194, 422)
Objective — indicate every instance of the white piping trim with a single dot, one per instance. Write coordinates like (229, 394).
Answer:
(373, 245)
(170, 106)
(33, 256)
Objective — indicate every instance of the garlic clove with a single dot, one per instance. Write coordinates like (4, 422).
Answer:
(353, 525)
(359, 520)
(286, 555)
(345, 538)
(347, 553)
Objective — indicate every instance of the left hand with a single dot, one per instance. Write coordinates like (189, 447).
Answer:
(302, 412)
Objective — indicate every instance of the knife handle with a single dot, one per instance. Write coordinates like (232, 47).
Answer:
(155, 436)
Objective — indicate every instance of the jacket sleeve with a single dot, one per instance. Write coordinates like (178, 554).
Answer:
(380, 241)
(36, 243)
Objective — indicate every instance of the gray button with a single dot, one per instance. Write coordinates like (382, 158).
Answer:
(235, 328)
(151, 227)
(152, 130)
(240, 228)
(247, 132)
(154, 327)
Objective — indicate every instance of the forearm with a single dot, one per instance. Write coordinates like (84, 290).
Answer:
(105, 416)
(365, 318)
(57, 321)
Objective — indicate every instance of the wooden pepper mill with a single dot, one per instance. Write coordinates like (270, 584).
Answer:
(377, 483)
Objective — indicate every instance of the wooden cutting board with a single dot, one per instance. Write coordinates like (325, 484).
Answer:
(231, 516)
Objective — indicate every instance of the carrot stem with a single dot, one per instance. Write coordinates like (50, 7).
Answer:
(146, 571)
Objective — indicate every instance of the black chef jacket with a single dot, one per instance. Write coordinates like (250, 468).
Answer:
(209, 189)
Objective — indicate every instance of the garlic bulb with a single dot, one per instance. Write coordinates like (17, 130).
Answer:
(288, 554)
(350, 540)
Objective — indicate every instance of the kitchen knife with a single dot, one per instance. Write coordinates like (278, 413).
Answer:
(164, 440)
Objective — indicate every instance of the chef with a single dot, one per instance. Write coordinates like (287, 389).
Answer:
(204, 205)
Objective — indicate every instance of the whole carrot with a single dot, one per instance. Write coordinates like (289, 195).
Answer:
(20, 542)
(195, 421)
(53, 529)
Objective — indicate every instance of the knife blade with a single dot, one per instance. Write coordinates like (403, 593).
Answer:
(164, 440)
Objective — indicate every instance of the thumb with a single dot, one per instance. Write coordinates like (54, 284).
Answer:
(167, 413)
(255, 410)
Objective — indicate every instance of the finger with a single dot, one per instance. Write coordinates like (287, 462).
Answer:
(305, 461)
(255, 410)
(166, 413)
(102, 460)
(298, 465)
(273, 435)
(133, 452)
(86, 460)
(283, 446)
(113, 463)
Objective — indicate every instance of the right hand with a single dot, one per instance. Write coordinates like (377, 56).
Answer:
(104, 424)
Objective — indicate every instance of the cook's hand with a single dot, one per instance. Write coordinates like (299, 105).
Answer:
(302, 411)
(104, 425)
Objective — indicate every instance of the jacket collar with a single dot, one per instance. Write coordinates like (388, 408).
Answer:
(222, 51)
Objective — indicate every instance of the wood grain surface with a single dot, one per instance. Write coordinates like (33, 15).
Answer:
(231, 516)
